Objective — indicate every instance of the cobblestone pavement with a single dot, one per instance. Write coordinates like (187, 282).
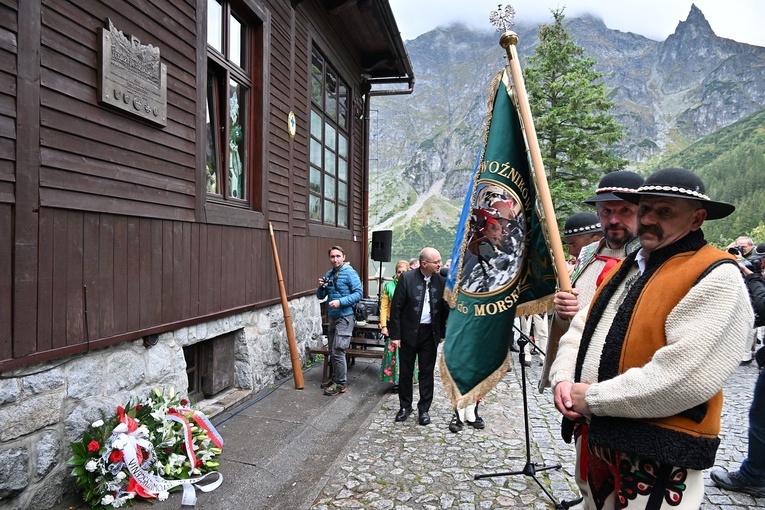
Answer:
(407, 466)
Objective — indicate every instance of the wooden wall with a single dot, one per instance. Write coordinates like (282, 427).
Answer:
(92, 158)
(115, 248)
(8, 47)
(138, 273)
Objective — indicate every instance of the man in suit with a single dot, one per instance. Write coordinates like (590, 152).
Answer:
(416, 327)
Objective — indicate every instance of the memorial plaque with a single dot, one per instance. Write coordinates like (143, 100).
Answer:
(132, 77)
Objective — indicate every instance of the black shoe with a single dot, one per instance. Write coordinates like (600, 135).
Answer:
(478, 423)
(403, 414)
(335, 389)
(424, 418)
(456, 425)
(513, 347)
(747, 362)
(733, 481)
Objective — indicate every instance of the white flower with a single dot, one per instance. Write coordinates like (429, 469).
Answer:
(107, 500)
(91, 466)
(162, 495)
(176, 460)
(121, 475)
(118, 444)
(98, 423)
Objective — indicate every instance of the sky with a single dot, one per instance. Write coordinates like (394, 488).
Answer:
(740, 20)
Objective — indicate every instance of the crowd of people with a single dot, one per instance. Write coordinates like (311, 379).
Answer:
(654, 323)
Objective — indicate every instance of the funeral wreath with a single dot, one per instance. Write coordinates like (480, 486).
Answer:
(147, 449)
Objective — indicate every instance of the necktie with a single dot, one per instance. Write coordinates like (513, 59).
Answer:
(610, 263)
(425, 316)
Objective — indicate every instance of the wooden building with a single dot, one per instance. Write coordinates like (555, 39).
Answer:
(146, 146)
(122, 217)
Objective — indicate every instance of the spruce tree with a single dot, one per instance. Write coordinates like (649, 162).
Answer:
(575, 129)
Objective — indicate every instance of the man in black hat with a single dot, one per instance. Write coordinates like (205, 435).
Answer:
(618, 220)
(581, 229)
(645, 363)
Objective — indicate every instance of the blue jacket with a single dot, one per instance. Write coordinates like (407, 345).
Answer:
(345, 287)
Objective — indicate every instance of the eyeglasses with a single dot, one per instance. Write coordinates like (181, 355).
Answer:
(435, 262)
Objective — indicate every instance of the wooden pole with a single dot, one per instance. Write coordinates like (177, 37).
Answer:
(508, 41)
(297, 369)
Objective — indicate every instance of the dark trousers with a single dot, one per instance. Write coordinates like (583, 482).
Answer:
(425, 348)
(753, 467)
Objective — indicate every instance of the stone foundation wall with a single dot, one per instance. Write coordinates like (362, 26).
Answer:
(43, 407)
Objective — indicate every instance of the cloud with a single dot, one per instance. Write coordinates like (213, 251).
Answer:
(739, 20)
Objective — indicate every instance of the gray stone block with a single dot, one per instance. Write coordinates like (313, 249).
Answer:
(9, 391)
(14, 469)
(85, 377)
(30, 414)
(47, 450)
(43, 381)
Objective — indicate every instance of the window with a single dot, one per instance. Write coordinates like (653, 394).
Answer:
(329, 145)
(232, 113)
(193, 354)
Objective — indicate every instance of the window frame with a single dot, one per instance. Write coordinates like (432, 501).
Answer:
(217, 208)
(322, 110)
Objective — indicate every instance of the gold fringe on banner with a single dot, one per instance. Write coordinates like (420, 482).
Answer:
(461, 401)
(541, 305)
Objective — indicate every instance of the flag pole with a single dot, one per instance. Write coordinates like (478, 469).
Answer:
(508, 41)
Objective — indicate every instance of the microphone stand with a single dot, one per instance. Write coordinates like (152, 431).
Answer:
(379, 289)
(530, 469)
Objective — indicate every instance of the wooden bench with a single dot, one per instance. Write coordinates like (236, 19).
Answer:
(364, 342)
(361, 347)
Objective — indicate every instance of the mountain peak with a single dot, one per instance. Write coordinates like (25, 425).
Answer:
(695, 25)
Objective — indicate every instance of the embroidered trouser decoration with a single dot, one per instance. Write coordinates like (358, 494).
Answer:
(644, 483)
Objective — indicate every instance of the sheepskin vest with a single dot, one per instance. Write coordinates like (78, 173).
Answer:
(688, 439)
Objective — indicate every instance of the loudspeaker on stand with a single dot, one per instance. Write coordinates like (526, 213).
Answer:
(381, 245)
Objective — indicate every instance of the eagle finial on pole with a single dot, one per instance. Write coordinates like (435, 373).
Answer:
(502, 19)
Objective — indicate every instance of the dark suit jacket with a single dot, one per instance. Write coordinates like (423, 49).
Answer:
(406, 307)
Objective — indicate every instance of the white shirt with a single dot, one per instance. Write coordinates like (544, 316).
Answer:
(425, 317)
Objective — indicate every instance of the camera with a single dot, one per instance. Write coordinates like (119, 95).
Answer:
(754, 264)
(325, 282)
(736, 250)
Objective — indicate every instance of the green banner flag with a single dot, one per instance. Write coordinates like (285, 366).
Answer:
(501, 259)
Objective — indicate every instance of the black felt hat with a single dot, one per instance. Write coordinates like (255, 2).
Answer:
(581, 223)
(623, 180)
(759, 250)
(679, 183)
